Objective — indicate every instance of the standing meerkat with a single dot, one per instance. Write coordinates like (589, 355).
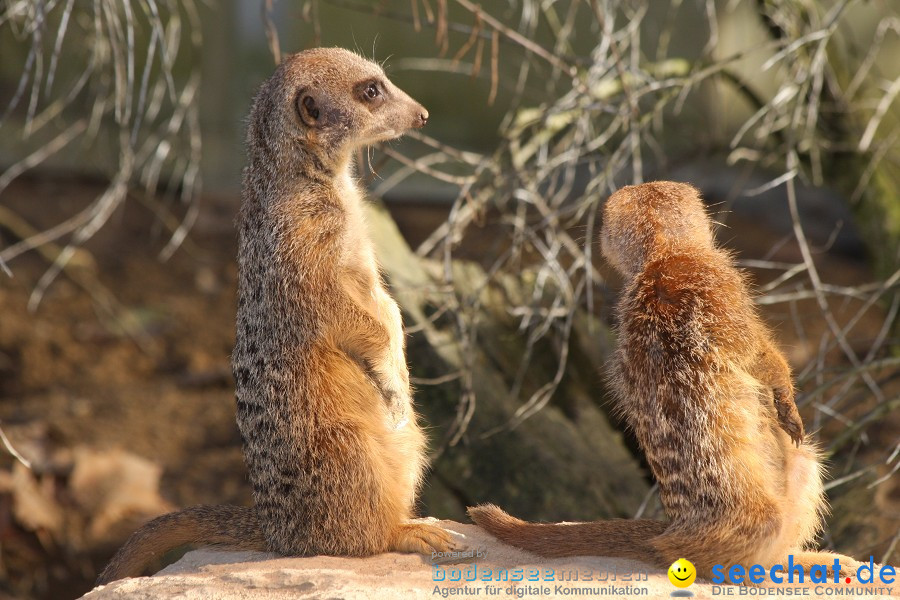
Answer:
(333, 450)
(709, 396)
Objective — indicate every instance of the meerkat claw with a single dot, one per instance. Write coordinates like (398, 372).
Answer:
(788, 417)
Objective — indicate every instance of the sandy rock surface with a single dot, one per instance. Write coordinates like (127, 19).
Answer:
(224, 575)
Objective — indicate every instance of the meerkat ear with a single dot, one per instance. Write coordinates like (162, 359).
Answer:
(308, 109)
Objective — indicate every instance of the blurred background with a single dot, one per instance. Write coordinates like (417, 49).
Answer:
(121, 149)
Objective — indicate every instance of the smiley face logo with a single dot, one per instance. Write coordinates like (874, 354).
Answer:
(682, 573)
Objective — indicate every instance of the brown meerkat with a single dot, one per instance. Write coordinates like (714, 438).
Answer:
(334, 453)
(699, 379)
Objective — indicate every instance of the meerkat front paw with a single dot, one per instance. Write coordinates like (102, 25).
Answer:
(422, 539)
(788, 417)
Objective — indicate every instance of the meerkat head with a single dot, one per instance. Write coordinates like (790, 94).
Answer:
(330, 101)
(640, 221)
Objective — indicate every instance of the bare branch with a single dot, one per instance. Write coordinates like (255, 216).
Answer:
(271, 31)
(11, 449)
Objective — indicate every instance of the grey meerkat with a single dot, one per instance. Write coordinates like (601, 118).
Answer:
(710, 398)
(334, 452)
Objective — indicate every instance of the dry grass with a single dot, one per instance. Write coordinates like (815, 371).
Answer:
(111, 75)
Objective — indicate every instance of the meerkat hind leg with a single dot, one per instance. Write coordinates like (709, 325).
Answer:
(421, 538)
(811, 558)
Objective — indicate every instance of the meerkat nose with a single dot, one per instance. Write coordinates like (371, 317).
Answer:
(423, 117)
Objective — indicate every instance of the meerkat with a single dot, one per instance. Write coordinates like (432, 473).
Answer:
(698, 377)
(334, 452)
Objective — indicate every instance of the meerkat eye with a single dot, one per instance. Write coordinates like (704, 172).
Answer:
(371, 93)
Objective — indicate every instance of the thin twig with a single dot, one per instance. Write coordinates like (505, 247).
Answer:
(271, 31)
(11, 449)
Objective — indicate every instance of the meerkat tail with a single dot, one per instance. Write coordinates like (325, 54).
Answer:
(618, 538)
(225, 525)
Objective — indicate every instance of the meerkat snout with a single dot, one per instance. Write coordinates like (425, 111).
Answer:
(393, 112)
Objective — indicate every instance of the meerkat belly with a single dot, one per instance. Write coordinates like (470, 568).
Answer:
(361, 279)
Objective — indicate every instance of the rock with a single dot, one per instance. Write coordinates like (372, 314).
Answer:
(222, 575)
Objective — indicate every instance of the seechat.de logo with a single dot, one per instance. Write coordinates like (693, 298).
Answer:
(795, 573)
